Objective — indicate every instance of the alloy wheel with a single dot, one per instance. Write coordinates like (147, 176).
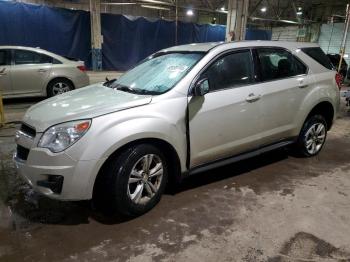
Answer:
(60, 88)
(145, 179)
(315, 138)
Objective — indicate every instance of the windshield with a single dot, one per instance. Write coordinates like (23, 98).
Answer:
(157, 75)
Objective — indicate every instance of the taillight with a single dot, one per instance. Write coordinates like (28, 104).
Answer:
(338, 79)
(82, 68)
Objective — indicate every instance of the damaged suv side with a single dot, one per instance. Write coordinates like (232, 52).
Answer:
(181, 111)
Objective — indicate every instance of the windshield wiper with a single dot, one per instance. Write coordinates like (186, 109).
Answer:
(124, 88)
(147, 92)
(116, 86)
(108, 82)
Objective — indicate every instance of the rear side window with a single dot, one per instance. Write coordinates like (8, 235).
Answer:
(23, 57)
(231, 70)
(55, 61)
(45, 59)
(276, 63)
(317, 54)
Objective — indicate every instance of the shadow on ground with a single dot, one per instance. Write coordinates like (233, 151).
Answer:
(24, 100)
(31, 207)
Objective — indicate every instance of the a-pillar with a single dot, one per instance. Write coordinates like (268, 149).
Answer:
(96, 37)
(237, 14)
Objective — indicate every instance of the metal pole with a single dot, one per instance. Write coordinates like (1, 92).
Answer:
(244, 19)
(342, 47)
(176, 21)
(228, 20)
(96, 39)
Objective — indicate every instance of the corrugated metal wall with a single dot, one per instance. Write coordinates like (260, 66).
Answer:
(285, 33)
(330, 38)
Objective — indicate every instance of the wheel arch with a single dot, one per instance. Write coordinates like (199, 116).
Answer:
(324, 108)
(168, 150)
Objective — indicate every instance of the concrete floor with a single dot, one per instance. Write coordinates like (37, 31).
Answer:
(274, 207)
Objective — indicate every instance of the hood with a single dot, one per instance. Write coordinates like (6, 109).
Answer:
(83, 103)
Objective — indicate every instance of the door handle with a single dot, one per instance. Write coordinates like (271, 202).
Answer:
(41, 70)
(302, 83)
(252, 98)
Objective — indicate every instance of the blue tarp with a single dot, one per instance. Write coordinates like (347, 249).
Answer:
(61, 31)
(126, 41)
(258, 34)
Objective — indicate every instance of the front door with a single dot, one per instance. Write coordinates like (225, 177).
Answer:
(30, 71)
(225, 121)
(5, 77)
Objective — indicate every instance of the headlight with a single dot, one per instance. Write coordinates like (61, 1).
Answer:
(60, 137)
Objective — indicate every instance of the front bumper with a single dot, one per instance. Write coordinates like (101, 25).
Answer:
(40, 164)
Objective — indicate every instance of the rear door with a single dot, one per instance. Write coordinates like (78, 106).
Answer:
(284, 83)
(5, 68)
(30, 71)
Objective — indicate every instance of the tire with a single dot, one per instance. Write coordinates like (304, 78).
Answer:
(125, 175)
(312, 136)
(59, 86)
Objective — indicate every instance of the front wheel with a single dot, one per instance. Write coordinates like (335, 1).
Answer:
(133, 182)
(312, 136)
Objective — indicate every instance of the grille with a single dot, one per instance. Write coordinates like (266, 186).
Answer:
(28, 130)
(22, 152)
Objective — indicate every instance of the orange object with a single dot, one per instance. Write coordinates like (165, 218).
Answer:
(82, 126)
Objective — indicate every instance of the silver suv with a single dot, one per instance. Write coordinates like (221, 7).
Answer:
(26, 71)
(181, 111)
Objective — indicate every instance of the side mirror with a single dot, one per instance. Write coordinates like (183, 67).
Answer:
(201, 87)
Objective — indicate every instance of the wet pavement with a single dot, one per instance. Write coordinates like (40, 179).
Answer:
(274, 207)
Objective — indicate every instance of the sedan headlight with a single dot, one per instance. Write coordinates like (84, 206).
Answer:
(59, 137)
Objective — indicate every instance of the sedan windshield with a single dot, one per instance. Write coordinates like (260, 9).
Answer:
(157, 75)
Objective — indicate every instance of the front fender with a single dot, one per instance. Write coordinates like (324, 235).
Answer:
(107, 134)
(163, 120)
(137, 129)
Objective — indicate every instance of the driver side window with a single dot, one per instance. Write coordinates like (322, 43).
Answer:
(231, 70)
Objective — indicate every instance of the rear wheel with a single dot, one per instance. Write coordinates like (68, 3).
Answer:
(312, 136)
(133, 182)
(59, 86)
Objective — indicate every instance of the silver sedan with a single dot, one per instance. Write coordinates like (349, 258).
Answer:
(26, 71)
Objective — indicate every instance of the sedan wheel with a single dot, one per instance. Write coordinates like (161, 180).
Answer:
(60, 88)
